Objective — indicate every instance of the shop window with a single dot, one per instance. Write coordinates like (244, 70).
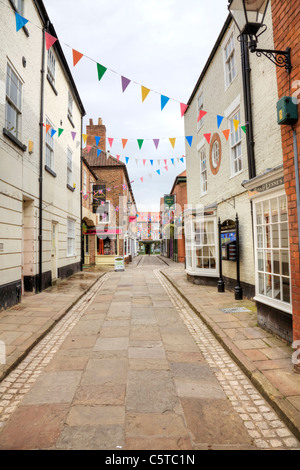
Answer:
(272, 251)
(201, 246)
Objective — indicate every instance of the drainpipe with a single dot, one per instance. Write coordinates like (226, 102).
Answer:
(248, 107)
(81, 232)
(40, 237)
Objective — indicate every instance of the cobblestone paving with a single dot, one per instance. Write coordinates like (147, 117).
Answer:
(262, 423)
(21, 379)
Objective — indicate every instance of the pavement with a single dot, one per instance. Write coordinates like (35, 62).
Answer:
(265, 359)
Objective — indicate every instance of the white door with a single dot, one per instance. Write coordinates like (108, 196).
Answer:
(54, 251)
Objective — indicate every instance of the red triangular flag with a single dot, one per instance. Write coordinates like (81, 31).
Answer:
(201, 114)
(226, 133)
(165, 162)
(110, 140)
(183, 108)
(207, 136)
(50, 40)
(118, 157)
(76, 57)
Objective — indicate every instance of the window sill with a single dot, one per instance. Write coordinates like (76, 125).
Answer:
(236, 174)
(52, 85)
(278, 304)
(47, 168)
(70, 188)
(14, 140)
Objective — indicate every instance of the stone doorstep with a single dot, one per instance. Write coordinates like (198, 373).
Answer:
(287, 412)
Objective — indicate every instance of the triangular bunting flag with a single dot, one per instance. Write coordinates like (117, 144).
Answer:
(243, 128)
(183, 108)
(163, 101)
(77, 144)
(172, 160)
(52, 132)
(136, 161)
(110, 140)
(189, 139)
(118, 157)
(88, 147)
(98, 152)
(156, 142)
(125, 83)
(236, 124)
(219, 120)
(151, 161)
(201, 114)
(50, 40)
(207, 136)
(124, 142)
(20, 21)
(140, 142)
(48, 126)
(158, 161)
(172, 140)
(166, 168)
(60, 131)
(145, 92)
(181, 159)
(101, 71)
(76, 57)
(158, 171)
(165, 161)
(97, 139)
(226, 133)
(126, 158)
(144, 161)
(84, 136)
(142, 179)
(73, 135)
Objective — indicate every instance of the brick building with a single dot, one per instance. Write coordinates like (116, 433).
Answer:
(286, 17)
(89, 179)
(111, 201)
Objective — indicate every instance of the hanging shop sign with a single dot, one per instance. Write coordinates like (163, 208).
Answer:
(169, 200)
(99, 195)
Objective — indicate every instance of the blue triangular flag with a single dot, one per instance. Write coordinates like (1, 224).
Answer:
(97, 139)
(164, 100)
(189, 138)
(220, 119)
(20, 21)
(98, 152)
(52, 132)
(172, 160)
(158, 171)
(151, 161)
(182, 160)
(126, 158)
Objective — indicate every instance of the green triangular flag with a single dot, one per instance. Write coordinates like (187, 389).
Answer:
(244, 128)
(140, 142)
(60, 131)
(101, 71)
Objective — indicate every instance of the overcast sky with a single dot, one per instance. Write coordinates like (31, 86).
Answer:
(159, 44)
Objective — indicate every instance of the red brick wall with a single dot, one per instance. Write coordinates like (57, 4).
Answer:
(96, 130)
(90, 180)
(180, 191)
(286, 19)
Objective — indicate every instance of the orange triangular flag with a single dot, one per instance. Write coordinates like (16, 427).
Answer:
(145, 92)
(76, 57)
(226, 133)
(172, 140)
(47, 127)
(124, 142)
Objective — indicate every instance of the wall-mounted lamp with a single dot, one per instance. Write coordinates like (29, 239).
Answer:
(249, 17)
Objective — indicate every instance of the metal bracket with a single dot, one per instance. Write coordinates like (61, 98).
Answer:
(279, 58)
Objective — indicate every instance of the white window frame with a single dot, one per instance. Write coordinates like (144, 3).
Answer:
(203, 170)
(268, 252)
(70, 104)
(19, 4)
(50, 144)
(199, 108)
(230, 63)
(71, 237)
(235, 144)
(69, 167)
(195, 241)
(13, 103)
(51, 66)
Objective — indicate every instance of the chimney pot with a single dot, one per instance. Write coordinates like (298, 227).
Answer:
(91, 122)
(99, 122)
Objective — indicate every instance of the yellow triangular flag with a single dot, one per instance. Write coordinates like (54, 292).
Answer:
(236, 124)
(84, 136)
(172, 140)
(145, 92)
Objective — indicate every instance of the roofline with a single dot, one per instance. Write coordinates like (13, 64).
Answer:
(178, 179)
(58, 49)
(89, 167)
(211, 56)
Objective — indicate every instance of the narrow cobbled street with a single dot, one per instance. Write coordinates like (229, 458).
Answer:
(132, 367)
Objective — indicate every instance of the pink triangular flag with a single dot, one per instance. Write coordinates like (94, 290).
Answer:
(201, 114)
(88, 148)
(207, 136)
(144, 161)
(142, 179)
(183, 108)
(110, 140)
(50, 40)
(118, 157)
(165, 162)
(166, 168)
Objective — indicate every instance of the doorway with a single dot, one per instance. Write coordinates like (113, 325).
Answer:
(54, 251)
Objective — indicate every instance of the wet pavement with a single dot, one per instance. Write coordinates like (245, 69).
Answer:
(131, 366)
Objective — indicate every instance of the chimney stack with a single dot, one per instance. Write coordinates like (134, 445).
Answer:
(96, 130)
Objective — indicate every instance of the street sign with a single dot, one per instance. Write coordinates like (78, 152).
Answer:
(119, 263)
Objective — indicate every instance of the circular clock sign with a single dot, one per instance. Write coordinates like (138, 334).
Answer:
(215, 152)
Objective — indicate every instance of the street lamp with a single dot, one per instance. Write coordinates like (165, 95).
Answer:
(249, 17)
